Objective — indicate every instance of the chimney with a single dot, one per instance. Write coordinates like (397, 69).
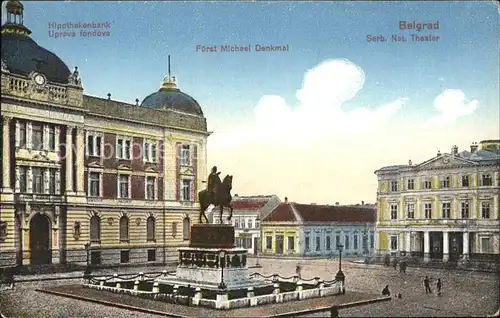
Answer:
(473, 147)
(439, 153)
(454, 150)
(362, 202)
(286, 200)
(409, 162)
(109, 95)
(236, 195)
(337, 203)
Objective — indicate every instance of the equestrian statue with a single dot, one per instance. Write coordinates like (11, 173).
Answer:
(217, 193)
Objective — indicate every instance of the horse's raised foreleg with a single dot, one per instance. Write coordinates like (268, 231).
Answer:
(230, 212)
(221, 211)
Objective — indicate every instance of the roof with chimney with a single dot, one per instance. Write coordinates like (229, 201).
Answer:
(313, 213)
(486, 152)
(255, 203)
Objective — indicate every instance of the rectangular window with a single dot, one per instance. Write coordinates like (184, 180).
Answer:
(346, 242)
(485, 245)
(372, 240)
(94, 147)
(427, 184)
(465, 209)
(486, 180)
(123, 150)
(257, 224)
(186, 190)
(150, 188)
(394, 211)
(355, 241)
(185, 155)
(291, 243)
(410, 210)
(394, 186)
(337, 240)
(445, 183)
(485, 210)
(328, 243)
(52, 181)
(446, 210)
(394, 242)
(124, 256)
(365, 242)
(411, 184)
(52, 138)
(22, 179)
(236, 222)
(123, 186)
(269, 242)
(152, 255)
(428, 210)
(149, 152)
(465, 181)
(249, 223)
(37, 184)
(22, 134)
(95, 257)
(307, 243)
(37, 136)
(95, 184)
(318, 243)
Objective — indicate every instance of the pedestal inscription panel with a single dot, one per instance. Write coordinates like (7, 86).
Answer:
(212, 236)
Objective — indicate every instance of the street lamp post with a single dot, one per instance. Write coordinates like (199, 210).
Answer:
(87, 267)
(222, 261)
(340, 275)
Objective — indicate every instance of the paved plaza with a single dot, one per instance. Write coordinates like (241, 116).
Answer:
(464, 293)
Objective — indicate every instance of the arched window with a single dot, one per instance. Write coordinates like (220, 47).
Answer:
(150, 228)
(186, 226)
(95, 229)
(124, 229)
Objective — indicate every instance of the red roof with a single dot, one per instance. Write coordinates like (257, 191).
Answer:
(248, 204)
(282, 213)
(330, 213)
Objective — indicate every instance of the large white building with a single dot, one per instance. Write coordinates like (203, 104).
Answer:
(445, 208)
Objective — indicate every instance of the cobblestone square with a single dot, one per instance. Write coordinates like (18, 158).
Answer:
(464, 293)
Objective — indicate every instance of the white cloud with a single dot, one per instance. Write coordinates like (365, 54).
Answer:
(451, 105)
(301, 150)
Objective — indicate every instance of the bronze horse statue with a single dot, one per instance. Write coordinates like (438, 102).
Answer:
(222, 198)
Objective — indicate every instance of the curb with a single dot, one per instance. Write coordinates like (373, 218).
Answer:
(327, 308)
(111, 304)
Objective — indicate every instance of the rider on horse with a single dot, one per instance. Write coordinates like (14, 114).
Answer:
(213, 184)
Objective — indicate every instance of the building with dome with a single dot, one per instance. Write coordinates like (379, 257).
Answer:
(84, 175)
(445, 209)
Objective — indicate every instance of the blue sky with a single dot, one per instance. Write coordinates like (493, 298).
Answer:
(132, 61)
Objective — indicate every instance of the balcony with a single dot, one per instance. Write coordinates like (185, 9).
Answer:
(38, 197)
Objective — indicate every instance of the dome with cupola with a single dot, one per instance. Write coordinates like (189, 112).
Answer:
(169, 96)
(22, 55)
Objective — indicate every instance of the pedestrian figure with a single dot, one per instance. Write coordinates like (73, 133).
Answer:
(427, 285)
(395, 264)
(386, 291)
(334, 312)
(387, 260)
(402, 267)
(438, 286)
(297, 271)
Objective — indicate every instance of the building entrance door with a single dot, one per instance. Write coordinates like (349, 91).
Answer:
(279, 244)
(40, 240)
(436, 240)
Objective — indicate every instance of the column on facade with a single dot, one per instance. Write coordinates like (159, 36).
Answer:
(446, 246)
(29, 183)
(57, 138)
(45, 141)
(29, 135)
(80, 152)
(17, 185)
(69, 159)
(6, 156)
(46, 184)
(465, 245)
(426, 246)
(407, 237)
(58, 182)
(18, 133)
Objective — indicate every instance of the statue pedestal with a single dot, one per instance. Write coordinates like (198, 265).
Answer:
(219, 236)
(212, 260)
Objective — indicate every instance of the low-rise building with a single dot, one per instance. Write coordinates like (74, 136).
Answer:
(318, 230)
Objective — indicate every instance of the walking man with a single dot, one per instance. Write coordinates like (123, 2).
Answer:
(298, 270)
(438, 286)
(427, 285)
